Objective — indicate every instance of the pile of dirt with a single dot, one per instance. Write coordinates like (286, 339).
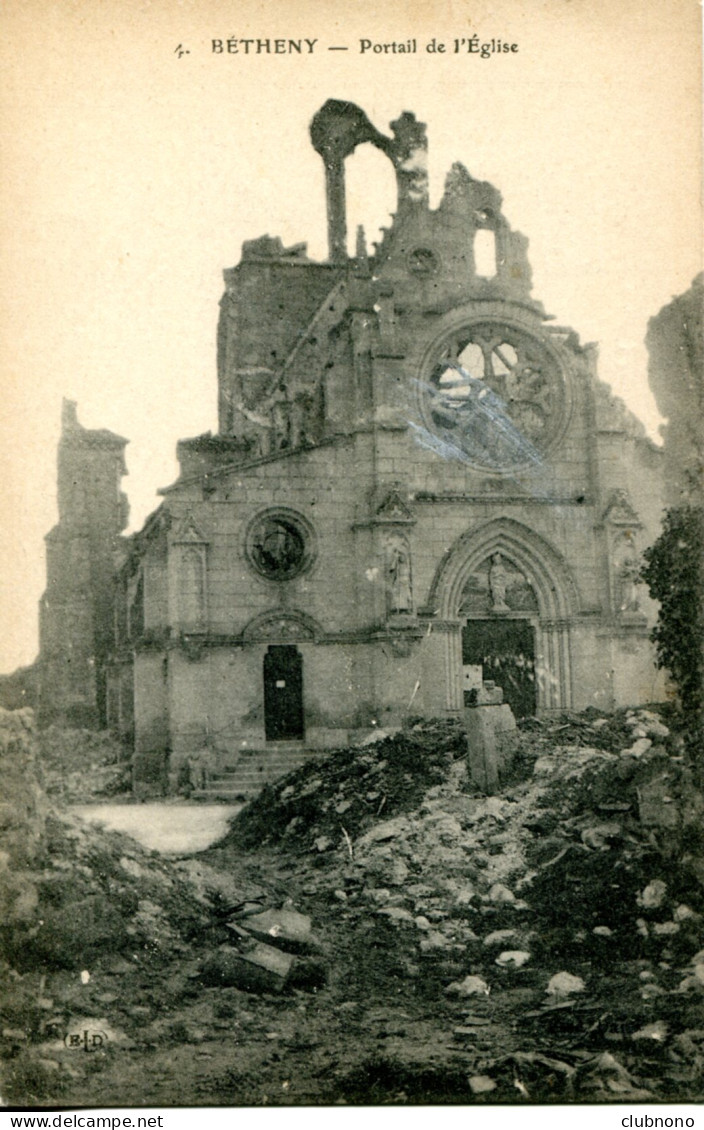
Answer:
(77, 766)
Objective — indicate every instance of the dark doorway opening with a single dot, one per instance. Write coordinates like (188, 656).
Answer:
(505, 650)
(283, 693)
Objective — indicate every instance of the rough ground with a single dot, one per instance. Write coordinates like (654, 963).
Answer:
(542, 945)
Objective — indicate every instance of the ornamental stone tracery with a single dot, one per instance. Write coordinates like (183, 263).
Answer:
(497, 392)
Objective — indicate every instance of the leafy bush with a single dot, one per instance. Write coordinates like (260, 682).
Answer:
(674, 573)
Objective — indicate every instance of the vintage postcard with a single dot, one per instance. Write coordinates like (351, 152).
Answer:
(352, 433)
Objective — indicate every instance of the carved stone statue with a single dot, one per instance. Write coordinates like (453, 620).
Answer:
(398, 573)
(498, 581)
(628, 586)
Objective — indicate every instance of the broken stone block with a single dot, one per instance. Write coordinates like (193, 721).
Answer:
(481, 1084)
(639, 747)
(652, 896)
(656, 1031)
(498, 937)
(501, 893)
(488, 694)
(682, 912)
(666, 929)
(563, 985)
(432, 941)
(262, 969)
(513, 959)
(285, 929)
(491, 735)
(471, 986)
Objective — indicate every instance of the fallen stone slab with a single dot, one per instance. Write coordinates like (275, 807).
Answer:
(287, 930)
(262, 969)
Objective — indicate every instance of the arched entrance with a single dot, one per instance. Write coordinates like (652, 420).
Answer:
(506, 599)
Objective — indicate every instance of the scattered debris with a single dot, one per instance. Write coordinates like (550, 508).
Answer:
(441, 946)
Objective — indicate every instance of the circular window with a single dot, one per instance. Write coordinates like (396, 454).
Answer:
(279, 545)
(422, 261)
(496, 392)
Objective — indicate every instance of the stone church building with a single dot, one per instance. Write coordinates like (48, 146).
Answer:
(418, 485)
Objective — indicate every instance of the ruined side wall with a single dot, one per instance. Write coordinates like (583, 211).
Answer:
(675, 342)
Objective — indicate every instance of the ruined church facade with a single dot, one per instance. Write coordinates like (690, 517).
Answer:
(418, 486)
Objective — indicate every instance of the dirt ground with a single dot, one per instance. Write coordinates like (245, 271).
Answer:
(371, 930)
(170, 829)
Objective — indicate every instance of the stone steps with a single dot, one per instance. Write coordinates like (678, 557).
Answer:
(243, 775)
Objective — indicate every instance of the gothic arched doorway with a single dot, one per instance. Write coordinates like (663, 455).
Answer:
(507, 600)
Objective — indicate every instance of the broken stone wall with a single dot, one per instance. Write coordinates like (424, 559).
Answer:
(675, 342)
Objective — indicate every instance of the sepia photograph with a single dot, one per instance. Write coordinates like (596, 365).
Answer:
(352, 683)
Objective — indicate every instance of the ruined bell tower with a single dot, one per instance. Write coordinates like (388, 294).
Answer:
(75, 612)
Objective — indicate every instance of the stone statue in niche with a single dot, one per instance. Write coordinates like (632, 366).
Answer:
(498, 582)
(626, 566)
(398, 575)
(629, 574)
(506, 590)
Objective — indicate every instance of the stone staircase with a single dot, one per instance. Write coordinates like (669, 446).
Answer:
(242, 775)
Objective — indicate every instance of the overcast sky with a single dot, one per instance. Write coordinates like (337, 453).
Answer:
(131, 176)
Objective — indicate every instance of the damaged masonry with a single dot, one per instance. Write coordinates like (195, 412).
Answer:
(418, 488)
(400, 590)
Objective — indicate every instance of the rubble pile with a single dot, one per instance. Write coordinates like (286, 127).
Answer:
(74, 899)
(372, 929)
(80, 765)
(566, 912)
(351, 788)
(71, 890)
